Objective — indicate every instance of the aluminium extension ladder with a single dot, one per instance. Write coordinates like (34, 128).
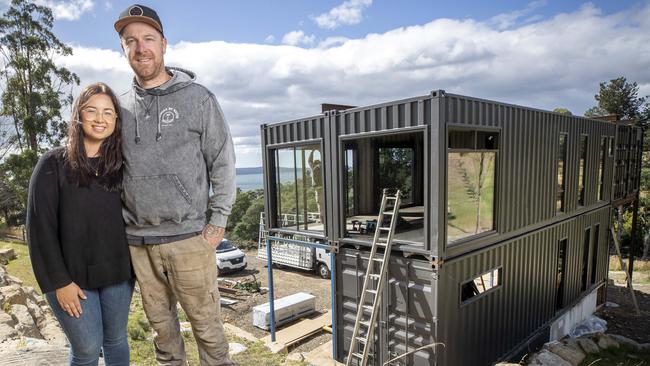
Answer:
(373, 294)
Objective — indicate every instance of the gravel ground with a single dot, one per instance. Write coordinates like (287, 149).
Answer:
(623, 319)
(287, 281)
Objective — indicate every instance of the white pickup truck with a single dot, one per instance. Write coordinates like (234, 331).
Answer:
(294, 255)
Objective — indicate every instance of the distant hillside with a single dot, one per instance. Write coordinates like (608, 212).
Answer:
(253, 170)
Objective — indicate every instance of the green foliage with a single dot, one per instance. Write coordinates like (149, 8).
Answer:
(396, 171)
(36, 89)
(563, 111)
(243, 223)
(15, 173)
(620, 97)
(595, 112)
(247, 229)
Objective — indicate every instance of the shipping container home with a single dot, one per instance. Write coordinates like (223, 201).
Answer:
(503, 226)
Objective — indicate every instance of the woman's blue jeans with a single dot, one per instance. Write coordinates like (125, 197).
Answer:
(102, 326)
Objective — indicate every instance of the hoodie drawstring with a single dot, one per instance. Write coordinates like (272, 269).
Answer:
(137, 127)
(158, 130)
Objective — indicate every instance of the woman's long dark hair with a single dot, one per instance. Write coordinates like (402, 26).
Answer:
(109, 165)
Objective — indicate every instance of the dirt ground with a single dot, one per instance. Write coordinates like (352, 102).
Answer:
(287, 281)
(623, 319)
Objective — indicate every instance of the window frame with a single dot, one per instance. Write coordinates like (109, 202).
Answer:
(271, 150)
(477, 297)
(563, 209)
(423, 131)
(445, 183)
(582, 191)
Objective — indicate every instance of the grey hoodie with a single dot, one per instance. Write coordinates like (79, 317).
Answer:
(176, 142)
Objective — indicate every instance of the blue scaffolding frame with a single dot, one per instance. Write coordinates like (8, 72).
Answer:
(269, 260)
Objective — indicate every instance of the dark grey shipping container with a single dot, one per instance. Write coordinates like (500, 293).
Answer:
(493, 192)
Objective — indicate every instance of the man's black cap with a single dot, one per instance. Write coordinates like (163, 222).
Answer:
(138, 13)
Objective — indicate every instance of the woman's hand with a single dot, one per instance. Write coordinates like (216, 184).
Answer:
(68, 297)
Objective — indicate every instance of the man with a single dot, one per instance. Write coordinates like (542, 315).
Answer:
(176, 142)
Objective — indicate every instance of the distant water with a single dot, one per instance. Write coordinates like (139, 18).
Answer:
(248, 182)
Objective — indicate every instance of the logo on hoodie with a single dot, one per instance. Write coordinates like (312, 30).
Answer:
(168, 116)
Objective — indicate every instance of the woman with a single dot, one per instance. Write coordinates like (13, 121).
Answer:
(76, 235)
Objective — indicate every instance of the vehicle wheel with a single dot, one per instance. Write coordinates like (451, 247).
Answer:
(323, 271)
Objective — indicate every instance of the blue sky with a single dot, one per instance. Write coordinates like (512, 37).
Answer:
(252, 21)
(269, 61)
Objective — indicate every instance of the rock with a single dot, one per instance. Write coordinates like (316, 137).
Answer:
(13, 280)
(605, 342)
(13, 294)
(547, 358)
(570, 353)
(644, 348)
(7, 254)
(36, 311)
(587, 345)
(32, 294)
(52, 332)
(6, 319)
(26, 325)
(7, 332)
(626, 341)
(235, 348)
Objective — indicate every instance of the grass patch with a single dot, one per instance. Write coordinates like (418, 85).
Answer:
(21, 267)
(639, 264)
(623, 356)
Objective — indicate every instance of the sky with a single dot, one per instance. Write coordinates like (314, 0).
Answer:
(270, 61)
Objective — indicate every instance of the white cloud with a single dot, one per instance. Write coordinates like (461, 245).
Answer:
(68, 10)
(507, 20)
(269, 39)
(557, 62)
(348, 13)
(295, 38)
(333, 41)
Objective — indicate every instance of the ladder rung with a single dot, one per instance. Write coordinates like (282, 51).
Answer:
(372, 291)
(388, 212)
(367, 307)
(365, 324)
(382, 228)
(391, 198)
(361, 340)
(378, 259)
(375, 276)
(358, 355)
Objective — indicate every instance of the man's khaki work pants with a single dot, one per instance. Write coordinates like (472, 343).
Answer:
(186, 272)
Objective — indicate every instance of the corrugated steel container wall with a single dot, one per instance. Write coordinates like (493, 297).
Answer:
(526, 170)
(626, 175)
(408, 320)
(295, 131)
(489, 326)
(401, 116)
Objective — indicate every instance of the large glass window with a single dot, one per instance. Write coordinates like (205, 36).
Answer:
(299, 177)
(582, 172)
(561, 174)
(594, 254)
(350, 180)
(559, 279)
(601, 168)
(471, 175)
(375, 163)
(585, 259)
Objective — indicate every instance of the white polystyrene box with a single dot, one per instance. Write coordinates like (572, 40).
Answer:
(287, 309)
